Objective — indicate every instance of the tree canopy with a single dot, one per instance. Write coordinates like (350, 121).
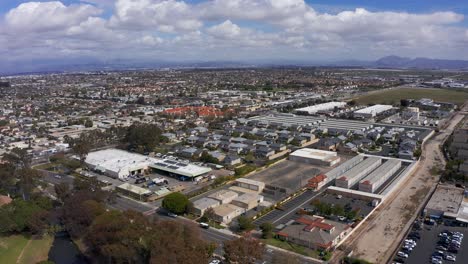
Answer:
(243, 250)
(176, 202)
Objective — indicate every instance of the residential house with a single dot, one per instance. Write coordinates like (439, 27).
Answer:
(232, 159)
(264, 152)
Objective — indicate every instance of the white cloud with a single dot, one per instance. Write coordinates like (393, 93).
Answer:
(232, 28)
(166, 16)
(46, 16)
(226, 30)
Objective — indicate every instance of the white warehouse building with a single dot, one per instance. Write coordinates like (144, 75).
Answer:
(118, 163)
(345, 166)
(379, 176)
(313, 109)
(354, 175)
(371, 111)
(315, 157)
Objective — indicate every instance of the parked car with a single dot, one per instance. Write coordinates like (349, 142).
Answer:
(440, 247)
(402, 254)
(171, 215)
(450, 257)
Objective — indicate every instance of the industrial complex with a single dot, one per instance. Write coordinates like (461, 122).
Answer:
(121, 164)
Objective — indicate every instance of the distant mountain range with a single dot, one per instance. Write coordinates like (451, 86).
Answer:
(420, 63)
(90, 64)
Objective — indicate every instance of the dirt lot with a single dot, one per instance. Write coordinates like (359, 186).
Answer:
(376, 239)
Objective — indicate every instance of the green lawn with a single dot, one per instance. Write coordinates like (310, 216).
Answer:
(35, 251)
(395, 95)
(11, 247)
(292, 247)
(46, 166)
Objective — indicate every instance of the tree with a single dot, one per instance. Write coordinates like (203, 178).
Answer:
(404, 103)
(79, 211)
(245, 223)
(117, 237)
(140, 100)
(267, 230)
(82, 149)
(176, 203)
(19, 158)
(243, 250)
(172, 242)
(417, 152)
(62, 190)
(206, 157)
(144, 136)
(27, 178)
(25, 216)
(249, 158)
(88, 123)
(209, 215)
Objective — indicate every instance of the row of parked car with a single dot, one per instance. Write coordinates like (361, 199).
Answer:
(448, 245)
(408, 246)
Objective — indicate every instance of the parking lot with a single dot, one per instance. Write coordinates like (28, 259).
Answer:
(427, 244)
(363, 207)
(290, 175)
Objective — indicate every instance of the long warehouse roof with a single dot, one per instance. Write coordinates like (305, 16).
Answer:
(377, 173)
(180, 168)
(353, 172)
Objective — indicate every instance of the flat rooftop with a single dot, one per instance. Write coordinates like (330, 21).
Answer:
(180, 168)
(226, 209)
(314, 153)
(134, 189)
(117, 160)
(446, 198)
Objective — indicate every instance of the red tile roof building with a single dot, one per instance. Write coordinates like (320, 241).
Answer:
(315, 232)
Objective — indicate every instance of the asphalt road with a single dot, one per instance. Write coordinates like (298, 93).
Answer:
(123, 204)
(56, 178)
(289, 208)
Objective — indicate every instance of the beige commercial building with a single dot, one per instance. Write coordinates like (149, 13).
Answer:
(248, 200)
(223, 196)
(225, 213)
(248, 184)
(203, 204)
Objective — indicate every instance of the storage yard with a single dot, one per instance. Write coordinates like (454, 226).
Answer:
(355, 174)
(370, 174)
(316, 122)
(379, 176)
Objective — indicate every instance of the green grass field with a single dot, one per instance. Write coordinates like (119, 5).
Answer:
(395, 95)
(292, 247)
(11, 247)
(35, 251)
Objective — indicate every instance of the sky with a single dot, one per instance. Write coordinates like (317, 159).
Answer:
(231, 30)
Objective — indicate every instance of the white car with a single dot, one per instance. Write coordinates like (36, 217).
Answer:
(436, 261)
(451, 257)
(215, 261)
(402, 254)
